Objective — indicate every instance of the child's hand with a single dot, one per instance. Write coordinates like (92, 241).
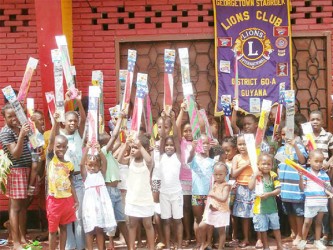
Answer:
(172, 114)
(25, 129)
(291, 141)
(257, 173)
(98, 147)
(56, 116)
(194, 144)
(79, 95)
(264, 196)
(76, 206)
(163, 115)
(183, 106)
(122, 114)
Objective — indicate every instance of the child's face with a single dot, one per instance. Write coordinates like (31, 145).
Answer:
(316, 121)
(135, 152)
(167, 127)
(241, 146)
(60, 148)
(265, 164)
(169, 147)
(219, 174)
(39, 122)
(10, 118)
(283, 134)
(71, 123)
(272, 114)
(205, 143)
(92, 165)
(187, 132)
(316, 161)
(229, 150)
(249, 125)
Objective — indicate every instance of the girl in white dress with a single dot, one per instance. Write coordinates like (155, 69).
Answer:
(97, 213)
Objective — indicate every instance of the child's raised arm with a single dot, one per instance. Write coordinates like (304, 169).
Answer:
(83, 161)
(175, 135)
(115, 132)
(162, 134)
(146, 156)
(103, 160)
(123, 148)
(192, 152)
(54, 132)
(234, 126)
(183, 108)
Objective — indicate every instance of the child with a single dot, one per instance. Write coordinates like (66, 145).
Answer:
(185, 172)
(97, 212)
(242, 172)
(217, 211)
(292, 197)
(139, 197)
(202, 171)
(15, 143)
(229, 146)
(265, 208)
(73, 130)
(171, 197)
(61, 197)
(112, 178)
(324, 141)
(315, 199)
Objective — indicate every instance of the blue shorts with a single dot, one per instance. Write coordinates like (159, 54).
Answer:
(263, 222)
(293, 208)
(115, 196)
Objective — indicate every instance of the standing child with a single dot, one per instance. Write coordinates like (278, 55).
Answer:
(171, 197)
(217, 211)
(242, 172)
(229, 146)
(61, 196)
(315, 199)
(73, 130)
(202, 171)
(291, 195)
(15, 143)
(185, 172)
(97, 211)
(265, 207)
(139, 197)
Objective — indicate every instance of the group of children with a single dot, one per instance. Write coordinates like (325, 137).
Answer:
(168, 181)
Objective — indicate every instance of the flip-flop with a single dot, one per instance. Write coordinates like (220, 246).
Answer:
(243, 244)
(3, 242)
(233, 243)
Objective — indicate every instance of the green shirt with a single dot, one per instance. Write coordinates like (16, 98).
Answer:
(267, 206)
(112, 168)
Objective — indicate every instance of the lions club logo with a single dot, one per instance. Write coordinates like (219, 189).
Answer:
(252, 48)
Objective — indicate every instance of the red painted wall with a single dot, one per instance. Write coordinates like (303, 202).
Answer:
(96, 26)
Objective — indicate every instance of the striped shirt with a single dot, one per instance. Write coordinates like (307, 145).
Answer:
(315, 195)
(324, 142)
(289, 177)
(8, 136)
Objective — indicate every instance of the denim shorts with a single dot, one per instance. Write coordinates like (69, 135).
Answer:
(263, 222)
(116, 198)
(293, 208)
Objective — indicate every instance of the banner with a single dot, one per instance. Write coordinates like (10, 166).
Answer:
(252, 45)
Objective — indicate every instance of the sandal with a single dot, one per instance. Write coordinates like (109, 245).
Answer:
(330, 243)
(3, 242)
(243, 244)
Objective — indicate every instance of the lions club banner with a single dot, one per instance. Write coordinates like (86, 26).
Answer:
(252, 52)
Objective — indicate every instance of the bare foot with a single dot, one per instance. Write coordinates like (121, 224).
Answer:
(17, 246)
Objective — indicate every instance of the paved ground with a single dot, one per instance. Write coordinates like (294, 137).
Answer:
(120, 246)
